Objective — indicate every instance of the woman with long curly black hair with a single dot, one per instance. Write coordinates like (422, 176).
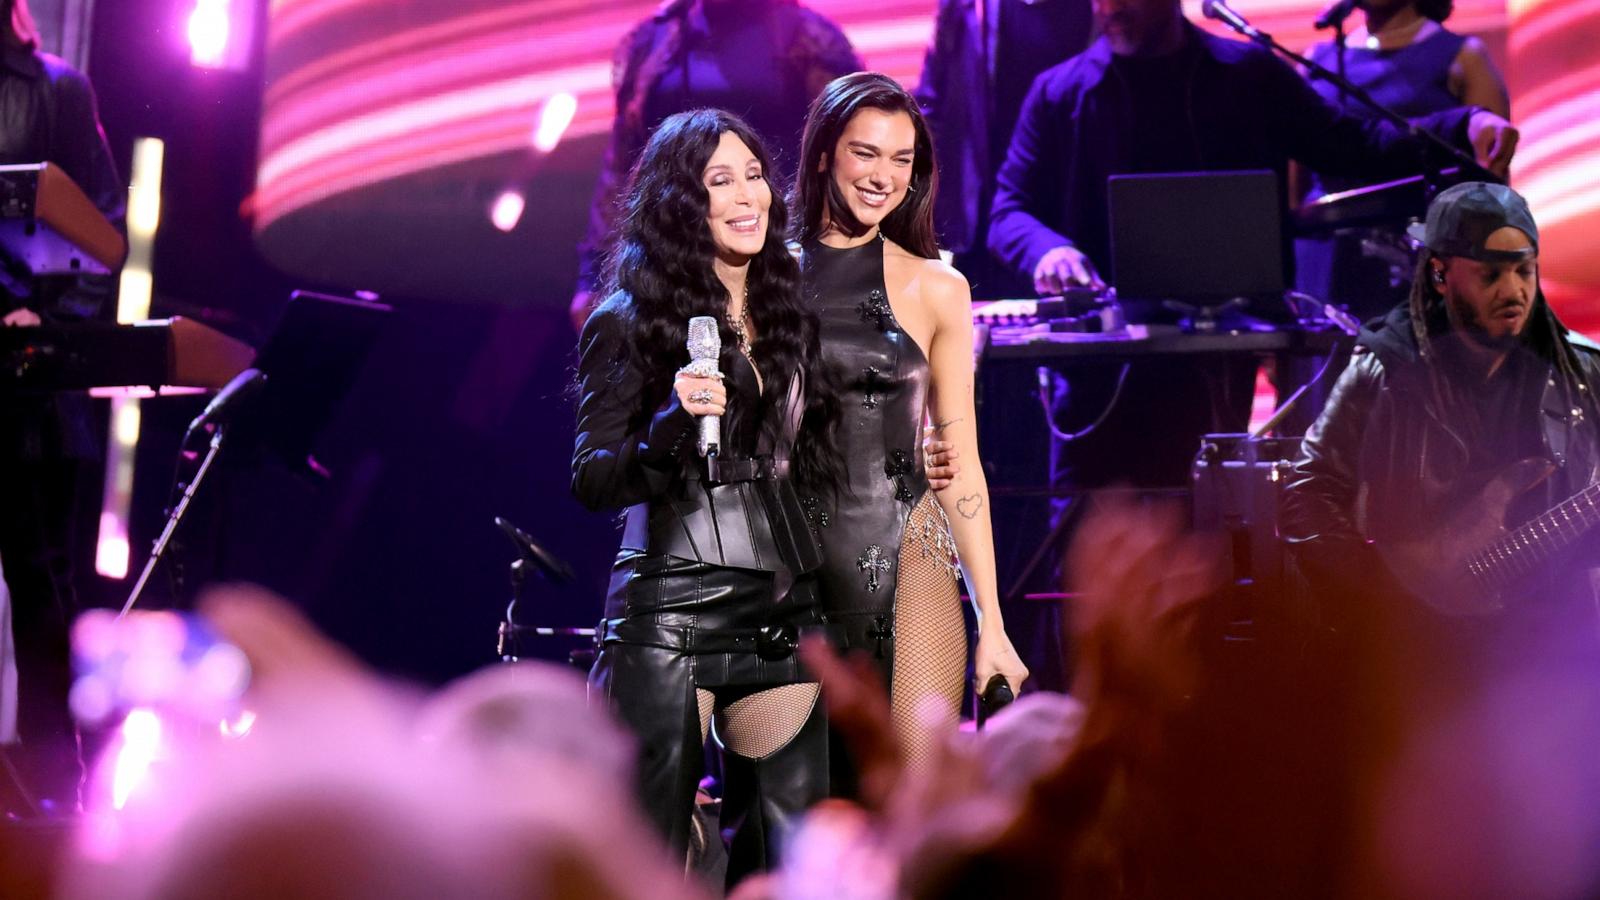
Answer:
(712, 586)
(897, 330)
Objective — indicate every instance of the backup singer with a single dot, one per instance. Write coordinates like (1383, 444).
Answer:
(897, 333)
(713, 582)
(1410, 62)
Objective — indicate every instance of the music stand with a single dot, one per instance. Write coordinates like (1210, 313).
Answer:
(310, 363)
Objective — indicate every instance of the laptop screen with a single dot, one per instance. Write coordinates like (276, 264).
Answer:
(1199, 238)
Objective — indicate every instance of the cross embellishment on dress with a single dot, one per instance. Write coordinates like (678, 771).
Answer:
(879, 632)
(815, 514)
(873, 384)
(897, 467)
(876, 310)
(874, 563)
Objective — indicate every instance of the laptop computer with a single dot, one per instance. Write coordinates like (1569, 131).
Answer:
(1200, 238)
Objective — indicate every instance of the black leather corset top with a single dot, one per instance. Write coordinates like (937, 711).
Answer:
(738, 508)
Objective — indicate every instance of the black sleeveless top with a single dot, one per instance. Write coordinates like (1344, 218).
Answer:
(884, 377)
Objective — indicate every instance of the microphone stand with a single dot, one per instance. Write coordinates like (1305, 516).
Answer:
(1339, 39)
(1431, 169)
(174, 517)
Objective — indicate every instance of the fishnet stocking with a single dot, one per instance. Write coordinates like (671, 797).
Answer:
(761, 724)
(706, 701)
(930, 636)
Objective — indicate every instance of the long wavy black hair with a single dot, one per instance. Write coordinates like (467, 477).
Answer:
(662, 261)
(911, 223)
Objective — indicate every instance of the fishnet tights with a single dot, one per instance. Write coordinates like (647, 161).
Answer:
(758, 725)
(930, 636)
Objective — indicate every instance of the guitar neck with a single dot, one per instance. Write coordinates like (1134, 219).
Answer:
(1541, 537)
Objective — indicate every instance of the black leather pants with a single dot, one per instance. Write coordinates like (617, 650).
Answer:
(675, 626)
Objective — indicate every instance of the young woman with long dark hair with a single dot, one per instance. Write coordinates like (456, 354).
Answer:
(712, 585)
(897, 334)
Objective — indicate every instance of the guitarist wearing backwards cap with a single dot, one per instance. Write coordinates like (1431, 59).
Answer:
(1455, 461)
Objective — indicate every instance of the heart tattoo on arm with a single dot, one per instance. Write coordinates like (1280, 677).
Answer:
(969, 506)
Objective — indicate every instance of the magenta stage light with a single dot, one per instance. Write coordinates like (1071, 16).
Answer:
(220, 33)
(208, 34)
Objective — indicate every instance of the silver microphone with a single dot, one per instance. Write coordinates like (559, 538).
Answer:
(705, 351)
(1222, 12)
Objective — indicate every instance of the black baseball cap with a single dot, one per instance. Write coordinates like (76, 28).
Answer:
(1461, 219)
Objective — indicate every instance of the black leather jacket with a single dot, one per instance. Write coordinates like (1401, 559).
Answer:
(740, 511)
(1382, 449)
(47, 114)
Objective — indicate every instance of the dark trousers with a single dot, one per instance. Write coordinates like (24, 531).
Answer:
(37, 501)
(652, 690)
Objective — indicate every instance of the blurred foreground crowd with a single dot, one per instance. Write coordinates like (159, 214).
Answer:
(1353, 759)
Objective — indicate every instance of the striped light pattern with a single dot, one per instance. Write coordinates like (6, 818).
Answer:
(1555, 74)
(364, 91)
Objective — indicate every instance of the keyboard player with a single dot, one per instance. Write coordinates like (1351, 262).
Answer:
(47, 449)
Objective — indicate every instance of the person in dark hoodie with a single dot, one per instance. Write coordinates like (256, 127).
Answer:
(1473, 375)
(1468, 407)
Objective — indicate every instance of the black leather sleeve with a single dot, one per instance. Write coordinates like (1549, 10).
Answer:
(1319, 507)
(621, 457)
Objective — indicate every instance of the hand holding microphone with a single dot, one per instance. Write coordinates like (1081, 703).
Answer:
(699, 384)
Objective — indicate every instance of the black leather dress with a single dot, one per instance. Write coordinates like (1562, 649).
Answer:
(711, 588)
(884, 376)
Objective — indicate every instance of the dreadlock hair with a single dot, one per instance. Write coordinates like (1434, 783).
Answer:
(1545, 336)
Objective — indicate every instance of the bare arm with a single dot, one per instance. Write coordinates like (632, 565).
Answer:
(1475, 80)
(953, 409)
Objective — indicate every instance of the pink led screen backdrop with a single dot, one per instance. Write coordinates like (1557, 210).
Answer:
(390, 127)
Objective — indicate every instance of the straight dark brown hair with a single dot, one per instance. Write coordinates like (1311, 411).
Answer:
(815, 192)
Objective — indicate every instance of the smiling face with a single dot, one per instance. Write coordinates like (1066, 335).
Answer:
(738, 199)
(872, 162)
(1491, 301)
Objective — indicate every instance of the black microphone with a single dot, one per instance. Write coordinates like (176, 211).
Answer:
(997, 695)
(241, 388)
(1334, 16)
(549, 565)
(1219, 10)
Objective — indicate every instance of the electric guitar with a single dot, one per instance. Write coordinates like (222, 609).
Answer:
(1470, 564)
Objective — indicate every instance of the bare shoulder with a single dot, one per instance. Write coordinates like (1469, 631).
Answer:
(1474, 50)
(1474, 58)
(940, 283)
(945, 289)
